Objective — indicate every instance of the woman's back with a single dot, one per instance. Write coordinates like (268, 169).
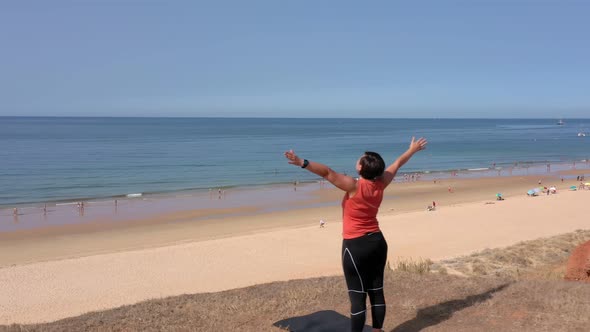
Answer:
(359, 212)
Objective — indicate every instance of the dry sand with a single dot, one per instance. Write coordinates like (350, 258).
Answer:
(47, 275)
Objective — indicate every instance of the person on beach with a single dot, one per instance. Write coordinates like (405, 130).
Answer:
(364, 249)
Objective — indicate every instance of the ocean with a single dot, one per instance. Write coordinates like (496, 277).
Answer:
(56, 159)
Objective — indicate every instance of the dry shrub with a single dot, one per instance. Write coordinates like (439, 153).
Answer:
(419, 266)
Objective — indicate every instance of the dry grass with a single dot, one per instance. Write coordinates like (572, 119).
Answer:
(419, 266)
(496, 301)
(541, 258)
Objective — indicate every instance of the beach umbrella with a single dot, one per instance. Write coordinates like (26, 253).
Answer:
(498, 195)
(530, 192)
(573, 188)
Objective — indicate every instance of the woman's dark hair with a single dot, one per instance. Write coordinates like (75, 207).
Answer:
(372, 165)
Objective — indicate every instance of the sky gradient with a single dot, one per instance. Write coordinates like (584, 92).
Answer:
(472, 58)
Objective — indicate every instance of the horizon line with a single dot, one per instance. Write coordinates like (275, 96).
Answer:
(290, 117)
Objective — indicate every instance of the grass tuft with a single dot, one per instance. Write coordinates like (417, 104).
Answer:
(419, 266)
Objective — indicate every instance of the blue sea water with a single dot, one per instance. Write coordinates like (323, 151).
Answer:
(47, 159)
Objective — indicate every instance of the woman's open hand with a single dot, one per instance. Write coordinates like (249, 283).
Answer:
(293, 158)
(418, 145)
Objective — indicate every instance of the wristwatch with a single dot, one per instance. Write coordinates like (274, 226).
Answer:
(305, 163)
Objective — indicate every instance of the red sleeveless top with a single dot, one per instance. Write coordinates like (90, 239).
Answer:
(359, 213)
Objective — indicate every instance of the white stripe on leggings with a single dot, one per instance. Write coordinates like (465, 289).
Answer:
(357, 271)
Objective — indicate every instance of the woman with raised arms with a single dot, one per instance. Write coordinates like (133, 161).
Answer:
(364, 249)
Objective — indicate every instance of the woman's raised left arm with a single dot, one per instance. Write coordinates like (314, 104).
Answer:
(339, 180)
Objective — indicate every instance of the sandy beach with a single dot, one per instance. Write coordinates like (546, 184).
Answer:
(52, 273)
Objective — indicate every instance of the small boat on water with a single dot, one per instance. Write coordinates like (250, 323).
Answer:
(581, 134)
(560, 122)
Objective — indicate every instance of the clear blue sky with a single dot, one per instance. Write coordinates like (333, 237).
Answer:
(439, 58)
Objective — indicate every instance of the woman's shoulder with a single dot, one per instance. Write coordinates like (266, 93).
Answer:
(378, 182)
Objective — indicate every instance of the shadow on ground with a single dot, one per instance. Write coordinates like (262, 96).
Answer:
(321, 321)
(436, 314)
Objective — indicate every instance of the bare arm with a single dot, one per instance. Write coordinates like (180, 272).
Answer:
(341, 181)
(390, 171)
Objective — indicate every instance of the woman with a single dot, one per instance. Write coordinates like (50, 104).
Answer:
(364, 249)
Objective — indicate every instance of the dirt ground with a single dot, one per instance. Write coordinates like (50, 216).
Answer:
(578, 265)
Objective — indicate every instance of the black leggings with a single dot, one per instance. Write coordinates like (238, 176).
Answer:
(363, 261)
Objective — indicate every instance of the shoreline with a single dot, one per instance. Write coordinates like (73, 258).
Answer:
(90, 237)
(238, 202)
(518, 168)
